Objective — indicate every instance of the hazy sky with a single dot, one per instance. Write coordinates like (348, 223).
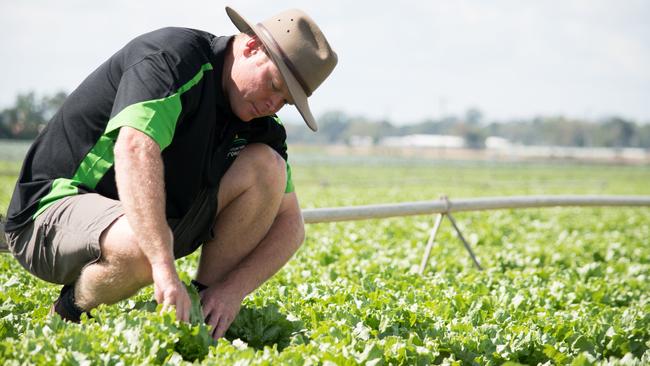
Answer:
(401, 60)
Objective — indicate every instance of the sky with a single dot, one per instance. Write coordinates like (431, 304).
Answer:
(403, 61)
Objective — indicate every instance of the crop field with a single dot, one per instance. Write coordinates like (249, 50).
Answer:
(559, 285)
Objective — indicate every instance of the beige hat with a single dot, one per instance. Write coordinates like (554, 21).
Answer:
(300, 51)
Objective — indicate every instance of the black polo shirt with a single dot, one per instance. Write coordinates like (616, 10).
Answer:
(167, 84)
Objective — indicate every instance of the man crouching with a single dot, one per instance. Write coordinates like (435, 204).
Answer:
(170, 145)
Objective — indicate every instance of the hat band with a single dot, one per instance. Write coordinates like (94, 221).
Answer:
(284, 58)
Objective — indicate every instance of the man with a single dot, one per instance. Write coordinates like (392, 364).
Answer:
(169, 145)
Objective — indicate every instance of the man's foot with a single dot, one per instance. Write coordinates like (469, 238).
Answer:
(65, 306)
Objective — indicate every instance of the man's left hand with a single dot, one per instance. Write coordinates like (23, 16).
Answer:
(221, 304)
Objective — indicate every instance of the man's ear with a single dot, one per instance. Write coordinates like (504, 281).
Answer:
(252, 46)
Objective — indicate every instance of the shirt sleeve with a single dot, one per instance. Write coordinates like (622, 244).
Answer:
(149, 98)
(272, 132)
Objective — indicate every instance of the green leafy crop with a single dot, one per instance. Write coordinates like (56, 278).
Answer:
(560, 286)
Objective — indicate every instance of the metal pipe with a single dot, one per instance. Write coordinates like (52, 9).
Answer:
(465, 243)
(432, 238)
(321, 215)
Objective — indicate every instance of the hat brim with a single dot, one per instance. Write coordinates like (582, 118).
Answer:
(298, 95)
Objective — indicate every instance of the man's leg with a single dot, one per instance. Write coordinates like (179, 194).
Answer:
(249, 198)
(122, 270)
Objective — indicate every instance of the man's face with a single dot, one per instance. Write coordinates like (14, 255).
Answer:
(259, 89)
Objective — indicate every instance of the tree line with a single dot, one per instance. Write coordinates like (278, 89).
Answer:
(614, 132)
(30, 114)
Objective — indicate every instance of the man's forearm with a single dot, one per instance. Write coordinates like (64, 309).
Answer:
(283, 239)
(140, 183)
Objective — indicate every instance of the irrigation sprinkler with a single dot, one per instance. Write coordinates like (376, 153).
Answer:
(434, 232)
(432, 238)
(462, 238)
(444, 207)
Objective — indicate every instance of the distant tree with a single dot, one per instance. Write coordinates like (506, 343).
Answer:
(644, 135)
(333, 125)
(618, 132)
(5, 132)
(473, 135)
(428, 126)
(474, 116)
(360, 126)
(29, 114)
(337, 127)
(52, 104)
(474, 139)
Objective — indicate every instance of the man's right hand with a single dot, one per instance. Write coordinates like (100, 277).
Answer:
(170, 291)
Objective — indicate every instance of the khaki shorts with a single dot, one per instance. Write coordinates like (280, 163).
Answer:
(64, 239)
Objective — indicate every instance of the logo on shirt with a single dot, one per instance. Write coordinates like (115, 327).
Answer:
(238, 144)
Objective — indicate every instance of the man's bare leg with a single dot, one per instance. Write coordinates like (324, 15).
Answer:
(122, 270)
(258, 228)
(249, 198)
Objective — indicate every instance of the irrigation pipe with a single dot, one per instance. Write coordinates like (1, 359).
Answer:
(447, 206)
(350, 213)
(444, 207)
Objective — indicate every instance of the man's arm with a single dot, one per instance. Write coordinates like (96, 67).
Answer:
(221, 302)
(140, 184)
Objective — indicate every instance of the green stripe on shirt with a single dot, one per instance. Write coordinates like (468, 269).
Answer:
(92, 168)
(289, 187)
(156, 118)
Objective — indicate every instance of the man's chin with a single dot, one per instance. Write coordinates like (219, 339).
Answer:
(245, 117)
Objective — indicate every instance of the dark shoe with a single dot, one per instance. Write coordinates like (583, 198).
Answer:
(65, 307)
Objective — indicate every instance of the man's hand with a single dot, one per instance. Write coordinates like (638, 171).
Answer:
(221, 301)
(170, 291)
(221, 304)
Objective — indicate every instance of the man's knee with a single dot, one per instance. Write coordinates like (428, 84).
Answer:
(267, 165)
(120, 249)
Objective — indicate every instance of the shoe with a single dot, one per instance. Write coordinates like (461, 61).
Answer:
(59, 307)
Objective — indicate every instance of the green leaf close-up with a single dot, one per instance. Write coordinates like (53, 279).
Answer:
(559, 286)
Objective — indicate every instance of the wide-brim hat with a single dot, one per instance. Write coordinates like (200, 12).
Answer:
(299, 50)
